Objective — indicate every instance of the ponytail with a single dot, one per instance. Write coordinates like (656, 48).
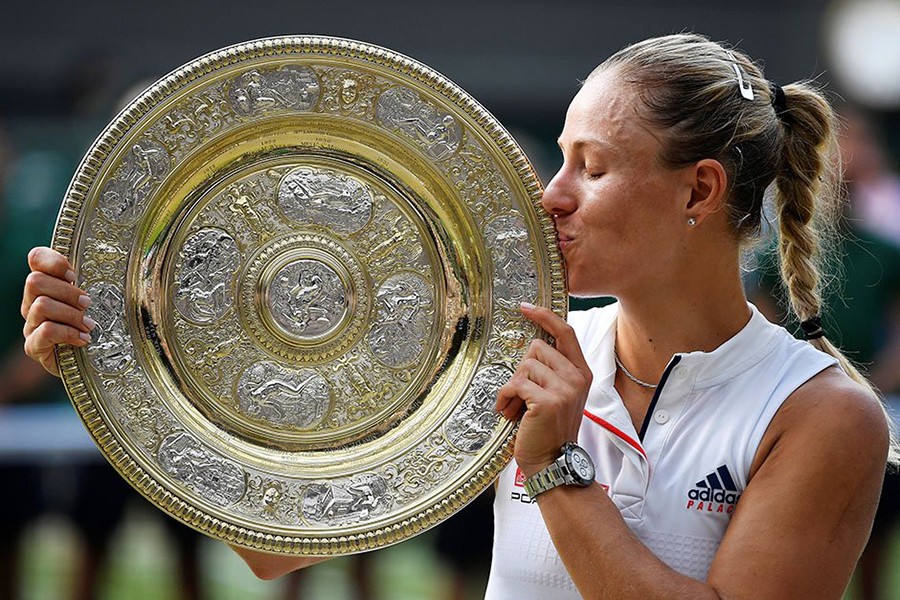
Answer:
(808, 202)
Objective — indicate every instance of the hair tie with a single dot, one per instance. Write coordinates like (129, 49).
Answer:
(779, 101)
(812, 328)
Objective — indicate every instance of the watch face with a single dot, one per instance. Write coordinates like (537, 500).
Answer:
(580, 465)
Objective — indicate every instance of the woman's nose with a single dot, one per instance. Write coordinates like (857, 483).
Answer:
(558, 198)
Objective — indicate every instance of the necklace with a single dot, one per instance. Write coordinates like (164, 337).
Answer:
(649, 386)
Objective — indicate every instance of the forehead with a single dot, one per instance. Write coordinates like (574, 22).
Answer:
(605, 113)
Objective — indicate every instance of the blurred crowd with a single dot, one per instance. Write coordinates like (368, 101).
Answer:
(36, 163)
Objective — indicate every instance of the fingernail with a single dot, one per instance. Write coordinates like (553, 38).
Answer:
(89, 323)
(527, 305)
(70, 276)
(84, 301)
(85, 337)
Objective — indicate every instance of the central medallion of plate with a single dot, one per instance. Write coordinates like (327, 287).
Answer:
(307, 299)
(305, 290)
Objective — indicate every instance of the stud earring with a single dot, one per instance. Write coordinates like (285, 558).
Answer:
(692, 221)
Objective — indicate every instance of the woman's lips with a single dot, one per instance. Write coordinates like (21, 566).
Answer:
(564, 241)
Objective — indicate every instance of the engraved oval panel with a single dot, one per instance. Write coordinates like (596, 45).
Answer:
(123, 198)
(474, 421)
(283, 397)
(204, 275)
(515, 277)
(402, 109)
(358, 499)
(260, 91)
(307, 298)
(110, 349)
(218, 480)
(325, 197)
(405, 312)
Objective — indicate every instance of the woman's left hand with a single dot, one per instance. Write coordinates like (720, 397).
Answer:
(551, 385)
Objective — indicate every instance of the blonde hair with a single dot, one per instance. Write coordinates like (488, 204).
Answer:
(690, 88)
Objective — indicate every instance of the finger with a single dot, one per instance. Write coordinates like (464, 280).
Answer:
(550, 356)
(40, 344)
(549, 321)
(39, 284)
(45, 308)
(47, 260)
(533, 369)
(50, 334)
(506, 395)
(518, 394)
(508, 401)
(513, 409)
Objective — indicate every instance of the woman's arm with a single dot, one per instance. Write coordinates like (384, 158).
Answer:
(798, 530)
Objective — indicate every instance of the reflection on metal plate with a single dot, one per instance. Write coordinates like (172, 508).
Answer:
(306, 257)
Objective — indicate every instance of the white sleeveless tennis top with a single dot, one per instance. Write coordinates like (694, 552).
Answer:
(676, 482)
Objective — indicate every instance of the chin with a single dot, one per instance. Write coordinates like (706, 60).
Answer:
(585, 289)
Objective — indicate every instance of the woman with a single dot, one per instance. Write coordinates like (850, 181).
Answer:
(731, 460)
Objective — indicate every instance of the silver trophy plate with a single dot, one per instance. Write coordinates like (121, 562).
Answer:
(306, 257)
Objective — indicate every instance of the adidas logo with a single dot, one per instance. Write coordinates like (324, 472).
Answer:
(717, 493)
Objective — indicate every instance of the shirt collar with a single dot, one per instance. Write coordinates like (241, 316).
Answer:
(747, 347)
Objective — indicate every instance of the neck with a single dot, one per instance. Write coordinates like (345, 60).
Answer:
(685, 313)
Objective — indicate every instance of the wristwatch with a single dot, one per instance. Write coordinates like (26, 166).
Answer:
(574, 467)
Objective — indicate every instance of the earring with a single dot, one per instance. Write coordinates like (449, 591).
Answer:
(692, 221)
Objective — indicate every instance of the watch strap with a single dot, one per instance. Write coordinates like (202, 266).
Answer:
(551, 476)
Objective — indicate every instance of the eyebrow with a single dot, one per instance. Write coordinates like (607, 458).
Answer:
(588, 141)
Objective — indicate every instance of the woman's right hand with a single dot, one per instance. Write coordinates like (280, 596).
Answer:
(53, 308)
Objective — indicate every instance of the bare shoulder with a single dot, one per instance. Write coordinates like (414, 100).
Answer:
(825, 448)
(830, 415)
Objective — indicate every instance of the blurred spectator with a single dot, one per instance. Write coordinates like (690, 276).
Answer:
(464, 544)
(361, 577)
(874, 186)
(862, 305)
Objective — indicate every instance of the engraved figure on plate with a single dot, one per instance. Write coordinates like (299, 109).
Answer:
(363, 497)
(405, 311)
(289, 87)
(438, 133)
(192, 121)
(473, 422)
(124, 195)
(349, 92)
(320, 196)
(273, 499)
(282, 397)
(431, 462)
(515, 277)
(218, 480)
(110, 350)
(307, 298)
(204, 272)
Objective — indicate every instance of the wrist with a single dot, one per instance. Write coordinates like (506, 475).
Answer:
(530, 468)
(572, 466)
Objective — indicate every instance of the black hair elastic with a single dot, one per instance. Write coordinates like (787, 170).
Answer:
(779, 101)
(812, 328)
